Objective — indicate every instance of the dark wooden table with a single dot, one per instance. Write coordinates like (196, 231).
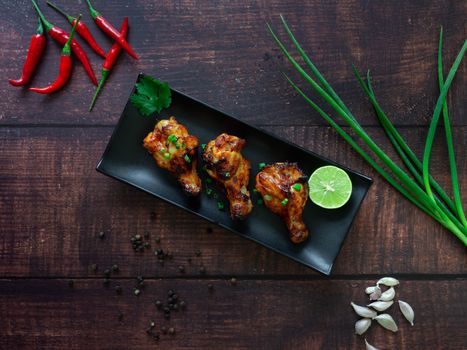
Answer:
(53, 204)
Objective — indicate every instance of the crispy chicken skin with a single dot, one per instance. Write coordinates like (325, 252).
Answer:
(285, 192)
(175, 150)
(226, 165)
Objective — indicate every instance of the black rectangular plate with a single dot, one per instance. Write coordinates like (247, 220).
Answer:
(126, 159)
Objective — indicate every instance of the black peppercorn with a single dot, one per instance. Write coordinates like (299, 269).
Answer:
(158, 304)
(171, 331)
(202, 270)
(106, 272)
(115, 268)
(181, 269)
(118, 289)
(94, 267)
(71, 283)
(102, 235)
(182, 304)
(106, 282)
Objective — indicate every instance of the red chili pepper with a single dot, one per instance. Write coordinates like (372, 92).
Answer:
(66, 63)
(36, 48)
(61, 37)
(110, 61)
(107, 28)
(82, 30)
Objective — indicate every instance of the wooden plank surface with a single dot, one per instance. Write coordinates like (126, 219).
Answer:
(220, 52)
(55, 204)
(253, 314)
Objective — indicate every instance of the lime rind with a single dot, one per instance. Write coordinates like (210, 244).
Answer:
(329, 187)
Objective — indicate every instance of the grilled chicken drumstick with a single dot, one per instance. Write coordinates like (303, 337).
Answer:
(285, 192)
(227, 166)
(175, 150)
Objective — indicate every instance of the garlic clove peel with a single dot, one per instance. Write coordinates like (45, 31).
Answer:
(387, 322)
(388, 281)
(361, 326)
(388, 295)
(381, 305)
(363, 311)
(407, 311)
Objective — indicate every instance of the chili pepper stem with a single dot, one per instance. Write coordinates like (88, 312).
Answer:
(48, 26)
(92, 11)
(59, 10)
(40, 27)
(67, 47)
(105, 74)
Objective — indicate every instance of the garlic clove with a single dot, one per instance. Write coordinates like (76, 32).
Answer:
(362, 325)
(363, 311)
(407, 311)
(388, 295)
(376, 294)
(381, 305)
(372, 289)
(387, 322)
(369, 346)
(388, 281)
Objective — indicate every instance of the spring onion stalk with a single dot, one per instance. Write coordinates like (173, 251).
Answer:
(447, 128)
(417, 187)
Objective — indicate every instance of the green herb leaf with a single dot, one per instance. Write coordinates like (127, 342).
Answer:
(151, 96)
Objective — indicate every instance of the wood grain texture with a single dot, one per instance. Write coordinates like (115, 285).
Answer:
(54, 203)
(220, 52)
(41, 314)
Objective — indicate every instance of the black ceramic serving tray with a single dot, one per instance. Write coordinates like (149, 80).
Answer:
(126, 159)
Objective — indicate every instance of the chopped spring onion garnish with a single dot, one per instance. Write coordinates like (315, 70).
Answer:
(208, 191)
(178, 146)
(261, 166)
(297, 187)
(267, 197)
(285, 201)
(172, 138)
(221, 206)
(260, 201)
(162, 151)
(420, 188)
(167, 155)
(203, 145)
(187, 158)
(227, 174)
(209, 180)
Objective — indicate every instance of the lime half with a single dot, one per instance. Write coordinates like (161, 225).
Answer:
(329, 187)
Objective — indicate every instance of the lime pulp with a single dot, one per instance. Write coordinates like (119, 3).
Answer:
(329, 187)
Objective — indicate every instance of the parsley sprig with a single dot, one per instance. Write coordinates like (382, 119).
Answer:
(151, 96)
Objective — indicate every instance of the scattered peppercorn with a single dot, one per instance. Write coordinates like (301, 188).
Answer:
(146, 245)
(71, 283)
(152, 324)
(171, 331)
(94, 267)
(102, 235)
(115, 268)
(164, 330)
(167, 315)
(233, 281)
(106, 272)
(170, 292)
(210, 287)
(158, 239)
(181, 269)
(182, 304)
(202, 270)
(106, 282)
(146, 234)
(137, 292)
(198, 252)
(118, 289)
(158, 304)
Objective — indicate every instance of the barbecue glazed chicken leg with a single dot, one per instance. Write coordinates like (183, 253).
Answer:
(175, 150)
(285, 192)
(226, 165)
